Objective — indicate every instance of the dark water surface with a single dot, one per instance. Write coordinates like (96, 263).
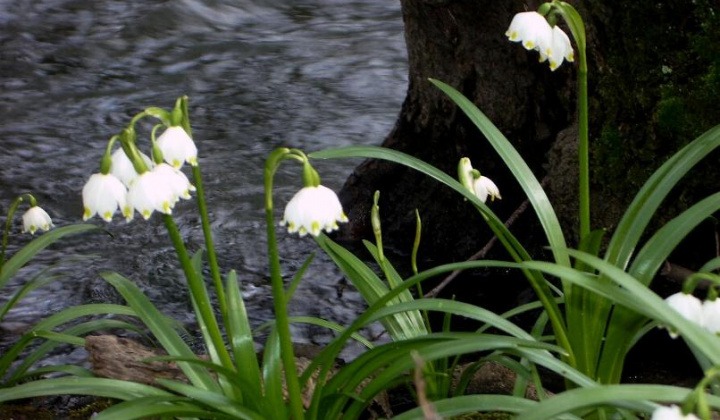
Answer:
(259, 74)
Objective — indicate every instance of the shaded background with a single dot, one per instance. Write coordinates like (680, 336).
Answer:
(259, 74)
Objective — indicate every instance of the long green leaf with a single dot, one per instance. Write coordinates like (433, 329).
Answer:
(530, 185)
(635, 397)
(52, 322)
(329, 325)
(163, 331)
(511, 244)
(28, 251)
(219, 402)
(241, 340)
(457, 406)
(658, 186)
(169, 406)
(658, 248)
(99, 387)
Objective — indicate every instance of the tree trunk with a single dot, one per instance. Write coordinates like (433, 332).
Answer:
(654, 71)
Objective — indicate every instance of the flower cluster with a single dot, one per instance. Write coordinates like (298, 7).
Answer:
(36, 218)
(157, 189)
(312, 210)
(704, 313)
(672, 412)
(535, 33)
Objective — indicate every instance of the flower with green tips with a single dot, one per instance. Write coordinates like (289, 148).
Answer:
(177, 147)
(36, 218)
(103, 194)
(312, 210)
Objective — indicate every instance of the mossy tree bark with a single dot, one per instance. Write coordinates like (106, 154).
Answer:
(654, 80)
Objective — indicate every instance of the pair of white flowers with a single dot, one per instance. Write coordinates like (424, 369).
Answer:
(157, 189)
(535, 33)
(704, 313)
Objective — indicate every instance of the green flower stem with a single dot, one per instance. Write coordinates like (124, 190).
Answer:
(8, 226)
(209, 244)
(282, 322)
(197, 289)
(577, 28)
(583, 145)
(182, 103)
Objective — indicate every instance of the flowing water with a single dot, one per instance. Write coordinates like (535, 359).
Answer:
(259, 73)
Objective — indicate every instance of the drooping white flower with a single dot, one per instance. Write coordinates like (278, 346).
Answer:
(312, 210)
(560, 49)
(484, 187)
(711, 315)
(688, 306)
(36, 218)
(177, 147)
(672, 412)
(533, 30)
(179, 183)
(535, 33)
(151, 192)
(102, 195)
(123, 169)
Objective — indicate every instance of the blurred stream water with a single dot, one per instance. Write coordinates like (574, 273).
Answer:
(259, 73)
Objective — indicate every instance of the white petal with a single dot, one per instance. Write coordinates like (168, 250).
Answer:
(484, 187)
(312, 210)
(36, 218)
(151, 192)
(688, 306)
(532, 30)
(672, 412)
(711, 315)
(123, 169)
(561, 48)
(102, 195)
(177, 147)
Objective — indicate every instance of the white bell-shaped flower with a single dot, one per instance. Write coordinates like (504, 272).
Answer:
(672, 412)
(36, 218)
(151, 192)
(532, 29)
(103, 194)
(711, 315)
(560, 49)
(177, 180)
(177, 147)
(312, 210)
(688, 306)
(123, 169)
(484, 187)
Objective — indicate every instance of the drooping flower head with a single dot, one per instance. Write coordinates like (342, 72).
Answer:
(686, 305)
(152, 192)
(672, 412)
(36, 218)
(482, 186)
(535, 33)
(123, 169)
(103, 194)
(711, 315)
(312, 210)
(532, 30)
(177, 147)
